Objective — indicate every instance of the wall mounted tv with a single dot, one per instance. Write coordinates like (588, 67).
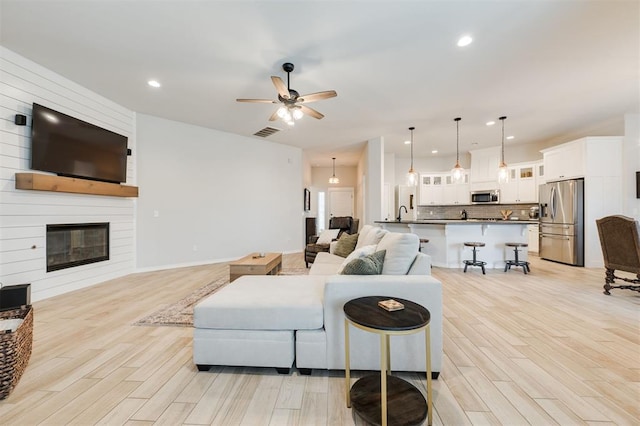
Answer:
(71, 147)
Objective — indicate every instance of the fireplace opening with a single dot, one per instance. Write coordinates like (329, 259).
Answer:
(70, 245)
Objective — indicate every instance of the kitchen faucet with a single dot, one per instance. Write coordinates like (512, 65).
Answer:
(399, 218)
(463, 214)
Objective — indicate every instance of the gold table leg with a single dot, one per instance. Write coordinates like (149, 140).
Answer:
(427, 333)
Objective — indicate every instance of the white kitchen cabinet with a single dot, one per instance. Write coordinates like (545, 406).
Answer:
(534, 235)
(456, 193)
(484, 168)
(521, 186)
(438, 189)
(432, 189)
(564, 161)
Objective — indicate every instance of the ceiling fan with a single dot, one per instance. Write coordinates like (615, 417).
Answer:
(293, 105)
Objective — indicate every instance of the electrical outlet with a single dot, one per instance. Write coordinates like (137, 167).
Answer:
(195, 247)
(156, 213)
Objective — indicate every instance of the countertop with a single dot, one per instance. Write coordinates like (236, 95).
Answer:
(461, 222)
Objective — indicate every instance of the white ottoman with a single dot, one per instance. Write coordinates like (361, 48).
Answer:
(251, 322)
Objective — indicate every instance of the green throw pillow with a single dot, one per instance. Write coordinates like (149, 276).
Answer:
(345, 245)
(368, 265)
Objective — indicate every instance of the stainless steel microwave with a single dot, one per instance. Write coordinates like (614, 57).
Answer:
(485, 197)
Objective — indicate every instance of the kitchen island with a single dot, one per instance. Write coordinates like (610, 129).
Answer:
(447, 237)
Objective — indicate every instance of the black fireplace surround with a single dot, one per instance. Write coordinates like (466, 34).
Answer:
(75, 244)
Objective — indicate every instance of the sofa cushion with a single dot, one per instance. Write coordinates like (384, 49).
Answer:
(264, 302)
(368, 265)
(345, 245)
(370, 235)
(402, 249)
(356, 254)
(326, 264)
(327, 236)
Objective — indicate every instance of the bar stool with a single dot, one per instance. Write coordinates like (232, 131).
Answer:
(422, 241)
(475, 261)
(517, 262)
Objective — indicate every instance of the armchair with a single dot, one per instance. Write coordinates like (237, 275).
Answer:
(343, 223)
(620, 241)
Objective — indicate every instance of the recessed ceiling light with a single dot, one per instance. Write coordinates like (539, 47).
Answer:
(435, 151)
(407, 142)
(465, 40)
(153, 83)
(510, 137)
(490, 123)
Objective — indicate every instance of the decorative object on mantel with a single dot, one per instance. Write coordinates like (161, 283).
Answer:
(333, 179)
(457, 173)
(503, 172)
(412, 176)
(180, 313)
(42, 182)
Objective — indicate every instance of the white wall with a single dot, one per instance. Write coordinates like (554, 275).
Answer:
(25, 214)
(209, 196)
(631, 165)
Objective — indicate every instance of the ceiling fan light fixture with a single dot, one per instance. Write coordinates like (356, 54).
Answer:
(292, 105)
(412, 176)
(297, 114)
(457, 173)
(282, 111)
(333, 179)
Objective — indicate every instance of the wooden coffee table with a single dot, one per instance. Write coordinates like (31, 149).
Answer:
(253, 264)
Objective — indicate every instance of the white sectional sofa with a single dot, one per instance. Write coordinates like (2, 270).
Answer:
(274, 321)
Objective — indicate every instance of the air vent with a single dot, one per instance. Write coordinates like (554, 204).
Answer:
(267, 131)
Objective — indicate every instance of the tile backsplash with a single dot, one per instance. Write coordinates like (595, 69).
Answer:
(474, 211)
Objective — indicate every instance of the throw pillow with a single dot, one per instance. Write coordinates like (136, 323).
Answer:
(402, 249)
(370, 235)
(356, 254)
(345, 245)
(368, 265)
(327, 236)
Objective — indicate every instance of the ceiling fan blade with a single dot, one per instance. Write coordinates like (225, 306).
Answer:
(312, 97)
(280, 87)
(260, 101)
(274, 116)
(311, 112)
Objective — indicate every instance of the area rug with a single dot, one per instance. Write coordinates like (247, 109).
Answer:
(180, 313)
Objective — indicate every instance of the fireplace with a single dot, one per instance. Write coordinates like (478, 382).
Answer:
(70, 245)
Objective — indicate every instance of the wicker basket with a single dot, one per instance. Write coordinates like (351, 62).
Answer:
(15, 349)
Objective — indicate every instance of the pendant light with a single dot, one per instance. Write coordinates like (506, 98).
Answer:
(412, 176)
(503, 172)
(457, 173)
(333, 179)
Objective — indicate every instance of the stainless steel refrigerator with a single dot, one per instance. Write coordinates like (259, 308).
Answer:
(562, 221)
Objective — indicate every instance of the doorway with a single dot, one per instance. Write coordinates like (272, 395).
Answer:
(340, 203)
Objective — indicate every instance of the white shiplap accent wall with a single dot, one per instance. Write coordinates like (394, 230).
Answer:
(25, 214)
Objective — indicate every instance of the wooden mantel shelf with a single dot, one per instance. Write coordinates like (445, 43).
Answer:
(40, 182)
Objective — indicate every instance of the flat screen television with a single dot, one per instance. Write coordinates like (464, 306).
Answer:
(71, 147)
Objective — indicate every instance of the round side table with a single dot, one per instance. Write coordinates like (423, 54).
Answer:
(385, 399)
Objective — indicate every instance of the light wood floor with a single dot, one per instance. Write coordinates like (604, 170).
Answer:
(546, 348)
